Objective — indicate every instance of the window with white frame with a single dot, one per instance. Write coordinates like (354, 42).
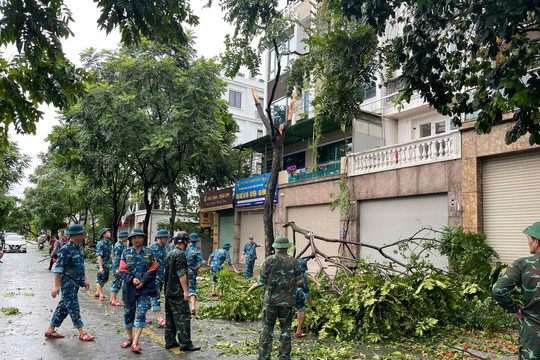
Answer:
(235, 99)
(435, 127)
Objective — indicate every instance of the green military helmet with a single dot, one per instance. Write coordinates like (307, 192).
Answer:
(281, 242)
(226, 246)
(75, 229)
(136, 232)
(533, 230)
(162, 233)
(194, 237)
(123, 233)
(103, 231)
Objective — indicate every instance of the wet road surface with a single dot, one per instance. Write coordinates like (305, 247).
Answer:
(27, 284)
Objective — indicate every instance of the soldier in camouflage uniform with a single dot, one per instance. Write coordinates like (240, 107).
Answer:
(162, 239)
(524, 273)
(69, 276)
(280, 275)
(178, 329)
(138, 269)
(170, 247)
(194, 260)
(216, 261)
(250, 255)
(104, 260)
(118, 249)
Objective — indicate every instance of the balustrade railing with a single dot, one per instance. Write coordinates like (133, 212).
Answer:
(432, 149)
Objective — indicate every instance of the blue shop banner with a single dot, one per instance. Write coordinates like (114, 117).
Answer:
(252, 191)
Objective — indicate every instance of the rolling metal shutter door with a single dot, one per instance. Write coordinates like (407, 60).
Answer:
(252, 224)
(321, 221)
(511, 187)
(385, 221)
(226, 228)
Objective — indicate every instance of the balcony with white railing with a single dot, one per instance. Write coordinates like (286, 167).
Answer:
(442, 147)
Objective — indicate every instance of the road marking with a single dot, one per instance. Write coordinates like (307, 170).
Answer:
(159, 339)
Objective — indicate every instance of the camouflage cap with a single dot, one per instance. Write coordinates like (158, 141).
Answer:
(281, 242)
(533, 230)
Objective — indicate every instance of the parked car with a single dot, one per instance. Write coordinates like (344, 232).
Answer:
(15, 243)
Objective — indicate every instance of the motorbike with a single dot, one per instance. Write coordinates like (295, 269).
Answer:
(41, 246)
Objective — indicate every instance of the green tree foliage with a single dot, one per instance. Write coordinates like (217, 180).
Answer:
(12, 166)
(463, 57)
(149, 122)
(378, 304)
(40, 72)
(339, 66)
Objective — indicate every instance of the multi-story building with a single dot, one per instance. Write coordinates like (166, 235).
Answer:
(242, 106)
(407, 167)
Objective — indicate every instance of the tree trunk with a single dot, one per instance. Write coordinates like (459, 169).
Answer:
(271, 184)
(149, 204)
(172, 205)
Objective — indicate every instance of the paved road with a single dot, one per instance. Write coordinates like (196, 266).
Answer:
(26, 285)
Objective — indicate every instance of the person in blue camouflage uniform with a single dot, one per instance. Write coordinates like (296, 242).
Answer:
(69, 276)
(280, 275)
(195, 260)
(216, 261)
(250, 255)
(138, 268)
(118, 249)
(104, 261)
(170, 247)
(525, 273)
(162, 239)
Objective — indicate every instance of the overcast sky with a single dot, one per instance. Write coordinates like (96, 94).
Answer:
(210, 34)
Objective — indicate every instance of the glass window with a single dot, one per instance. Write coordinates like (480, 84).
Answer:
(235, 99)
(453, 126)
(332, 152)
(298, 160)
(272, 60)
(259, 133)
(440, 127)
(370, 93)
(306, 102)
(279, 111)
(425, 130)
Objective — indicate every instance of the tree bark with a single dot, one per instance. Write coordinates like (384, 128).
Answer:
(271, 185)
(172, 204)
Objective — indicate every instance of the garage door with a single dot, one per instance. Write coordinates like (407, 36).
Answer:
(385, 221)
(511, 202)
(252, 224)
(321, 221)
(226, 228)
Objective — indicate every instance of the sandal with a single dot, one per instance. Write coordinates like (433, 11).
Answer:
(149, 322)
(86, 337)
(54, 335)
(214, 294)
(101, 298)
(300, 335)
(136, 348)
(127, 343)
(96, 295)
(115, 303)
(162, 323)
